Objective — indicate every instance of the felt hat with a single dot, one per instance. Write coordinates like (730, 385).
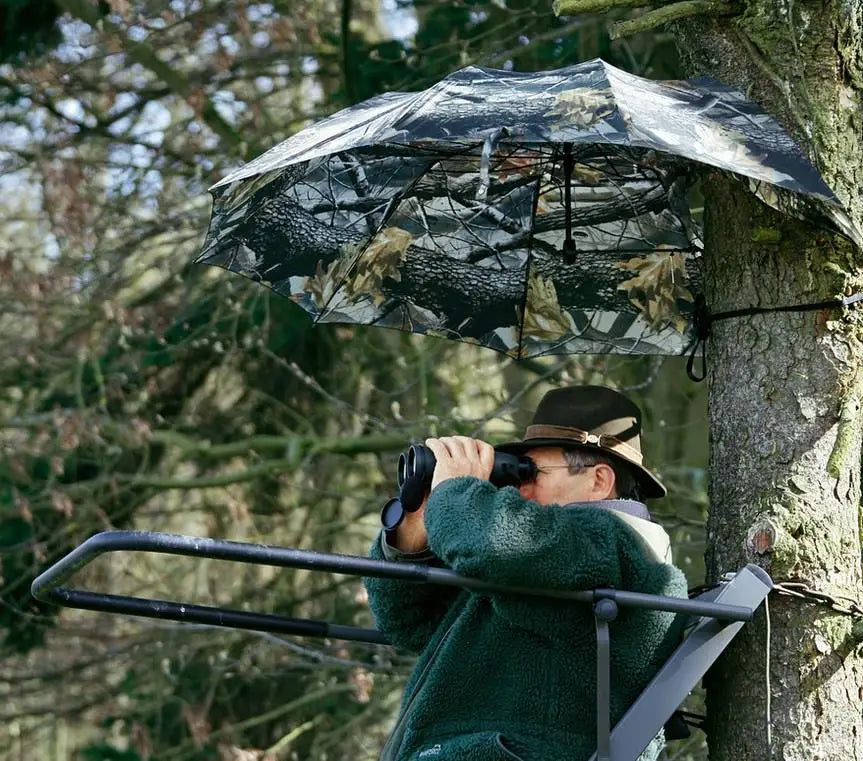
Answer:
(592, 418)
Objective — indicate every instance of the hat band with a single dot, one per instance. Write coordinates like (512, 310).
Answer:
(580, 436)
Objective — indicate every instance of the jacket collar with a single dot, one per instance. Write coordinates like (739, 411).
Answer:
(629, 506)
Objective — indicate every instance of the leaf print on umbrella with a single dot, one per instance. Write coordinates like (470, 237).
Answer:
(581, 107)
(544, 318)
(358, 272)
(323, 285)
(586, 174)
(380, 260)
(657, 287)
(517, 164)
(729, 147)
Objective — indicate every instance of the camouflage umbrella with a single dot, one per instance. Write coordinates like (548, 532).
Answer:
(532, 213)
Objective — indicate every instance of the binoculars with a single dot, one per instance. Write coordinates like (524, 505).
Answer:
(414, 476)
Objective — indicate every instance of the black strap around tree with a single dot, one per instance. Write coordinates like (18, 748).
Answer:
(704, 320)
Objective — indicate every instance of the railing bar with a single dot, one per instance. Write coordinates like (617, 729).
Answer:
(222, 549)
(203, 614)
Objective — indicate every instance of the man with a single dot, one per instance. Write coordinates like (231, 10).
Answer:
(513, 676)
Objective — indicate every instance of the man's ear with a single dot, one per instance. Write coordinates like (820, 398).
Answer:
(604, 481)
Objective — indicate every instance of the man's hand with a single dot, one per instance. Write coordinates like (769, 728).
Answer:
(460, 456)
(456, 456)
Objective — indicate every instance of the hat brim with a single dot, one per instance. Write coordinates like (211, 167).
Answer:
(652, 486)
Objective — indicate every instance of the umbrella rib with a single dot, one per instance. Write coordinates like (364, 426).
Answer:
(488, 210)
(479, 241)
(361, 187)
(395, 200)
(475, 208)
(612, 176)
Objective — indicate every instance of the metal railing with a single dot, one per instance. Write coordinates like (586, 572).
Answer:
(718, 622)
(49, 586)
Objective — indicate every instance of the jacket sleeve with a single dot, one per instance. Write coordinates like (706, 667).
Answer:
(497, 535)
(408, 612)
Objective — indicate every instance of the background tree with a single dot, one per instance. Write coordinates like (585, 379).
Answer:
(141, 391)
(785, 388)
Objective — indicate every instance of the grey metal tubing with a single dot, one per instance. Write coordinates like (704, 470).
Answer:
(204, 614)
(47, 586)
(682, 671)
(604, 611)
(603, 691)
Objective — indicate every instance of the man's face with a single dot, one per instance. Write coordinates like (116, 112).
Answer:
(555, 485)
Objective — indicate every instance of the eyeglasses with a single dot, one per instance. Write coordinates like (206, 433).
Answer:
(545, 468)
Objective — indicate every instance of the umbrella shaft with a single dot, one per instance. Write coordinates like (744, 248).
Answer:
(568, 243)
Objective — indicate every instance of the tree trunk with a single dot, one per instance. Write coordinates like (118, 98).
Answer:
(786, 388)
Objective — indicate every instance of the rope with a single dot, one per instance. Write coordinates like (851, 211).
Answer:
(703, 320)
(767, 675)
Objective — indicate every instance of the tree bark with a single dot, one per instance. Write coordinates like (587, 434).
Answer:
(785, 389)
(288, 240)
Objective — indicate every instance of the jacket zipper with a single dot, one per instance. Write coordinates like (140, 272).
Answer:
(394, 742)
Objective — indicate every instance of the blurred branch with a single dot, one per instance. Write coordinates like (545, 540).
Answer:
(543, 374)
(279, 748)
(142, 53)
(313, 384)
(53, 673)
(656, 363)
(576, 7)
(296, 446)
(672, 519)
(555, 33)
(267, 468)
(347, 72)
(668, 13)
(651, 19)
(263, 718)
(320, 657)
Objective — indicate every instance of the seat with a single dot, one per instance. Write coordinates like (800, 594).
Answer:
(717, 615)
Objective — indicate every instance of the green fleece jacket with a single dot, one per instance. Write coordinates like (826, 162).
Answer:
(503, 677)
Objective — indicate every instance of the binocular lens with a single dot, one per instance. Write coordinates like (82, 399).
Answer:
(402, 475)
(421, 463)
(412, 462)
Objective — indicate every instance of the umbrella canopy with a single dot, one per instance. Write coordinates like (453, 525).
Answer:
(533, 213)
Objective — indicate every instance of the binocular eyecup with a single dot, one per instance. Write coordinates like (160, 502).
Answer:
(414, 476)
